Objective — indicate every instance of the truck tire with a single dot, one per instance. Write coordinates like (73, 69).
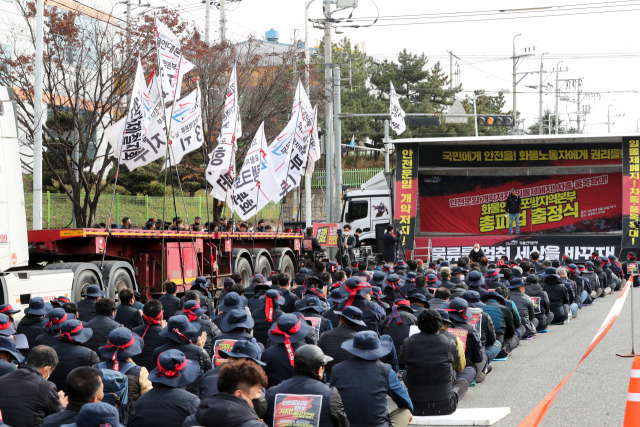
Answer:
(121, 280)
(287, 267)
(82, 281)
(243, 267)
(263, 267)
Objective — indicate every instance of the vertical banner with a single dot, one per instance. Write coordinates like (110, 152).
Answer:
(406, 194)
(630, 194)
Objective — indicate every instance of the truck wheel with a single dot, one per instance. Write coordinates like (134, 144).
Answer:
(263, 267)
(84, 279)
(120, 281)
(286, 267)
(243, 267)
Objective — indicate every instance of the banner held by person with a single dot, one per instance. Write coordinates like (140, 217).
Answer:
(256, 184)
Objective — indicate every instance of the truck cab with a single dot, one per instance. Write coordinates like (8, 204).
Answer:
(369, 209)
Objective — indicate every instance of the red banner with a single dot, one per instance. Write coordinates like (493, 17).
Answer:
(406, 197)
(564, 203)
(226, 345)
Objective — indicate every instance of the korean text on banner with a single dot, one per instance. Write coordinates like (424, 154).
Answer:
(396, 112)
(221, 170)
(132, 131)
(326, 233)
(630, 194)
(289, 150)
(406, 193)
(297, 410)
(172, 65)
(256, 184)
(186, 127)
(155, 140)
(314, 146)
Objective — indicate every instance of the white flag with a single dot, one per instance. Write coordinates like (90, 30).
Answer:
(314, 146)
(256, 184)
(221, 170)
(397, 114)
(289, 149)
(131, 130)
(172, 65)
(185, 127)
(156, 134)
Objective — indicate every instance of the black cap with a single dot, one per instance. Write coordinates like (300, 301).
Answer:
(310, 356)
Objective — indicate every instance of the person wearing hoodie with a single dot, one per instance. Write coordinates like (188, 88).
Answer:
(525, 307)
(602, 277)
(240, 384)
(541, 303)
(558, 295)
(594, 282)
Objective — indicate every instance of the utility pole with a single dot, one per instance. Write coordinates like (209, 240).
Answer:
(337, 137)
(38, 118)
(328, 112)
(207, 17)
(557, 94)
(541, 121)
(515, 59)
(450, 70)
(307, 62)
(579, 84)
(223, 20)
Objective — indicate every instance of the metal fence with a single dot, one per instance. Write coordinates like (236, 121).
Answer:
(57, 208)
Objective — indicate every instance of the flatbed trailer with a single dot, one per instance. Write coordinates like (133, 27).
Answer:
(144, 259)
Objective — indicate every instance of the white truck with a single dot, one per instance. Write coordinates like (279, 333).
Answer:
(18, 283)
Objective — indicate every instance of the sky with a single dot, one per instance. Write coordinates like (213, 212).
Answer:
(596, 41)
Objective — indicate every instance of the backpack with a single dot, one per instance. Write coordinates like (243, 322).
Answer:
(116, 388)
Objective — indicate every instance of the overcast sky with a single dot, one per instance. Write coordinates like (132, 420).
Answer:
(595, 40)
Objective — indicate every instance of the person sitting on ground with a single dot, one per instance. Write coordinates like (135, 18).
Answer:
(265, 316)
(231, 301)
(71, 308)
(418, 302)
(55, 319)
(398, 323)
(71, 350)
(103, 323)
(355, 292)
(312, 308)
(10, 357)
(431, 359)
(540, 301)
(33, 323)
(83, 385)
(170, 302)
(441, 296)
(286, 335)
(283, 282)
(87, 306)
(186, 336)
(116, 355)
(128, 316)
(196, 313)
(201, 286)
(331, 342)
(364, 383)
(308, 372)
(154, 322)
(240, 384)
(525, 307)
(558, 295)
(502, 318)
(167, 403)
(572, 290)
(26, 397)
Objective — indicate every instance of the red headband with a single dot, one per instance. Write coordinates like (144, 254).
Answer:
(465, 317)
(114, 358)
(68, 334)
(287, 340)
(54, 321)
(4, 326)
(170, 373)
(268, 307)
(151, 321)
(182, 336)
(353, 293)
(189, 312)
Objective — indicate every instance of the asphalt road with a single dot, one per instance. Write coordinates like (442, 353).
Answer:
(594, 396)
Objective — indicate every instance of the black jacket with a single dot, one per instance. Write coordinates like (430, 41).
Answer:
(68, 416)
(128, 316)
(226, 410)
(592, 278)
(261, 327)
(558, 296)
(330, 342)
(398, 332)
(170, 305)
(26, 398)
(525, 309)
(101, 326)
(512, 204)
(163, 406)
(475, 256)
(389, 241)
(278, 366)
(86, 309)
(289, 300)
(152, 340)
(211, 330)
(430, 361)
(32, 327)
(71, 356)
